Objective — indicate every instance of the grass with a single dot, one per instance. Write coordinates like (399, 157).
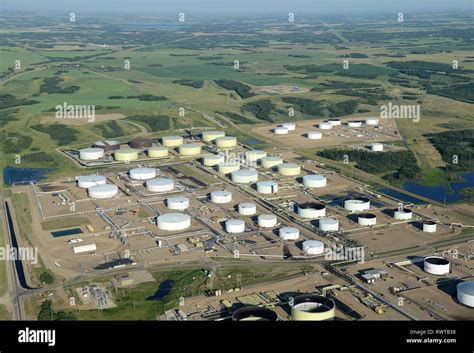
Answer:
(65, 223)
(4, 313)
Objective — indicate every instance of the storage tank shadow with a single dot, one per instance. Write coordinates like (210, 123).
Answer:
(254, 313)
(310, 307)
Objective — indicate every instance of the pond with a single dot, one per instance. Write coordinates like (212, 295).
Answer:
(23, 175)
(66, 232)
(163, 290)
(400, 196)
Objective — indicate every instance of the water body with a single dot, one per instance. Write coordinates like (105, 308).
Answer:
(163, 290)
(251, 142)
(443, 193)
(23, 175)
(66, 232)
(400, 196)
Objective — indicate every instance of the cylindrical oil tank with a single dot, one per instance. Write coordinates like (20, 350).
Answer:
(314, 135)
(313, 247)
(311, 307)
(314, 181)
(335, 121)
(108, 145)
(465, 293)
(221, 196)
(429, 226)
(354, 123)
(403, 214)
(311, 210)
(106, 191)
(142, 173)
(254, 313)
(245, 176)
(172, 141)
(228, 167)
(126, 154)
(357, 204)
(190, 149)
(141, 142)
(267, 220)
(325, 125)
(329, 225)
(247, 208)
(173, 221)
(289, 169)
(436, 265)
(289, 233)
(376, 147)
(86, 181)
(367, 219)
(371, 121)
(235, 226)
(179, 203)
(91, 154)
(211, 135)
(254, 155)
(211, 160)
(159, 185)
(226, 142)
(267, 187)
(280, 130)
(289, 126)
(271, 161)
(157, 152)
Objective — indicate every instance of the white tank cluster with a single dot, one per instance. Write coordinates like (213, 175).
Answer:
(247, 208)
(211, 160)
(329, 225)
(429, 226)
(314, 135)
(354, 123)
(436, 265)
(314, 181)
(106, 191)
(357, 204)
(371, 121)
(244, 176)
(159, 185)
(228, 167)
(235, 226)
(289, 169)
(267, 187)
(173, 221)
(465, 293)
(289, 233)
(271, 161)
(142, 173)
(289, 126)
(311, 210)
(86, 181)
(280, 130)
(91, 154)
(325, 125)
(221, 196)
(267, 220)
(376, 147)
(179, 203)
(403, 214)
(313, 247)
(367, 219)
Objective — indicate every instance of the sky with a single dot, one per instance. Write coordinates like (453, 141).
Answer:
(153, 7)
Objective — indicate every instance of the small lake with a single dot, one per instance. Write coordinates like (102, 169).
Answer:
(163, 290)
(66, 232)
(400, 196)
(23, 175)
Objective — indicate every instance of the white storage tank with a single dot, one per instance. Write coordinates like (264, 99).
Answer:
(403, 214)
(329, 224)
(311, 210)
(157, 152)
(371, 121)
(228, 167)
(179, 203)
(357, 204)
(334, 121)
(289, 169)
(289, 233)
(126, 154)
(367, 219)
(254, 155)
(235, 226)
(86, 181)
(209, 136)
(91, 154)
(211, 160)
(247, 208)
(267, 220)
(142, 173)
(159, 185)
(429, 226)
(221, 196)
(245, 176)
(314, 135)
(226, 142)
(267, 187)
(313, 247)
(106, 191)
(465, 293)
(314, 181)
(289, 126)
(190, 149)
(172, 141)
(325, 125)
(436, 265)
(376, 147)
(354, 123)
(280, 130)
(173, 221)
(271, 161)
